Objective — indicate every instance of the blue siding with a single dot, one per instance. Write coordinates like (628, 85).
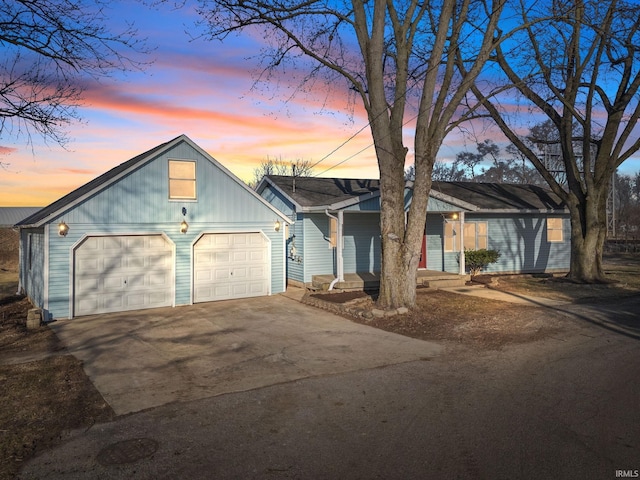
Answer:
(361, 243)
(369, 205)
(142, 197)
(319, 259)
(138, 204)
(436, 205)
(522, 242)
(32, 264)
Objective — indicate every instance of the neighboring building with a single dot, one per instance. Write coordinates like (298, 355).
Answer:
(171, 226)
(9, 216)
(527, 224)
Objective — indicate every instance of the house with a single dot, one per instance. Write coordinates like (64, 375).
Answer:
(168, 227)
(336, 226)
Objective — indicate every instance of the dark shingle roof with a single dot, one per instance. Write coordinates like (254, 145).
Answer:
(501, 196)
(314, 191)
(318, 192)
(88, 187)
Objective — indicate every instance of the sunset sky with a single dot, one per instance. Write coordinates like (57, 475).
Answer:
(204, 90)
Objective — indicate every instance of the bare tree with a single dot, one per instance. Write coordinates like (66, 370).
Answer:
(49, 48)
(271, 166)
(577, 63)
(399, 59)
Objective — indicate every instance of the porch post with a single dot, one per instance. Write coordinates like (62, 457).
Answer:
(463, 268)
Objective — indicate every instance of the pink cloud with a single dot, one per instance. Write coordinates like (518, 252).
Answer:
(7, 150)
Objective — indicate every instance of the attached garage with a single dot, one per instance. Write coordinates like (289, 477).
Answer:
(230, 265)
(121, 273)
(171, 226)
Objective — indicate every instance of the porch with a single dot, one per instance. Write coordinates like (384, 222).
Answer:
(371, 281)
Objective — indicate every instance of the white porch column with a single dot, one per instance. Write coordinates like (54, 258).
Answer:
(462, 262)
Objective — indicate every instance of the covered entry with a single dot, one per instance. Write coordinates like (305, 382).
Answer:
(230, 265)
(121, 273)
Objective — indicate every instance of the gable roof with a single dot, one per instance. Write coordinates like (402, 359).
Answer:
(312, 193)
(9, 216)
(315, 193)
(101, 182)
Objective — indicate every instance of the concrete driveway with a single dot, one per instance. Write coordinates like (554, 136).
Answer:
(143, 359)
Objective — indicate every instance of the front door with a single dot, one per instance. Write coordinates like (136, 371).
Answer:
(423, 253)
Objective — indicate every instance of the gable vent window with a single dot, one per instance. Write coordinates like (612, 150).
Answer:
(182, 180)
(554, 230)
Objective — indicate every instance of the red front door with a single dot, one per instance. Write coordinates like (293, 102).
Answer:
(423, 253)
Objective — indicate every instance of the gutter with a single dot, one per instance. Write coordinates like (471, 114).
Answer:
(339, 241)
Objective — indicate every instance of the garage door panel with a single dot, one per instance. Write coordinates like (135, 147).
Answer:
(119, 273)
(113, 282)
(220, 257)
(134, 262)
(111, 243)
(239, 266)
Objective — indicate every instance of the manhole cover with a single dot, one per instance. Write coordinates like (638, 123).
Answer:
(127, 451)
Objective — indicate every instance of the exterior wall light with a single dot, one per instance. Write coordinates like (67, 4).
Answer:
(63, 229)
(277, 225)
(184, 226)
(454, 216)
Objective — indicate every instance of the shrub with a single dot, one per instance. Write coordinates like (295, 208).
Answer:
(477, 260)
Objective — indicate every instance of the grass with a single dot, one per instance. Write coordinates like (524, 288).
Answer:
(8, 282)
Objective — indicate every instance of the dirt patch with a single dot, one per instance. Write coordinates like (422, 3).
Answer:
(470, 321)
(488, 324)
(45, 392)
(342, 297)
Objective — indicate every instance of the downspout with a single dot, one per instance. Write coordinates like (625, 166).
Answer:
(463, 267)
(339, 260)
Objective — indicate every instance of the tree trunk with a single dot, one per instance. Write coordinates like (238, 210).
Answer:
(588, 234)
(398, 269)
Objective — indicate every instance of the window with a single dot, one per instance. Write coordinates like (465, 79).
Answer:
(30, 249)
(451, 230)
(475, 235)
(182, 179)
(554, 230)
(333, 232)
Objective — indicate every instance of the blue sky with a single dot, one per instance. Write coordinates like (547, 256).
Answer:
(204, 90)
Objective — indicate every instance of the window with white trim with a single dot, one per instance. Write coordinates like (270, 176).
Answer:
(451, 229)
(475, 235)
(182, 180)
(555, 230)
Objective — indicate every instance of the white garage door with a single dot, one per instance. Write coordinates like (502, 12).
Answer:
(233, 265)
(119, 273)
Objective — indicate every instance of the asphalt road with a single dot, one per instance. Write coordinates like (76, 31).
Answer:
(563, 408)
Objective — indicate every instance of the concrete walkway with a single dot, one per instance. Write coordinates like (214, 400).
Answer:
(489, 293)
